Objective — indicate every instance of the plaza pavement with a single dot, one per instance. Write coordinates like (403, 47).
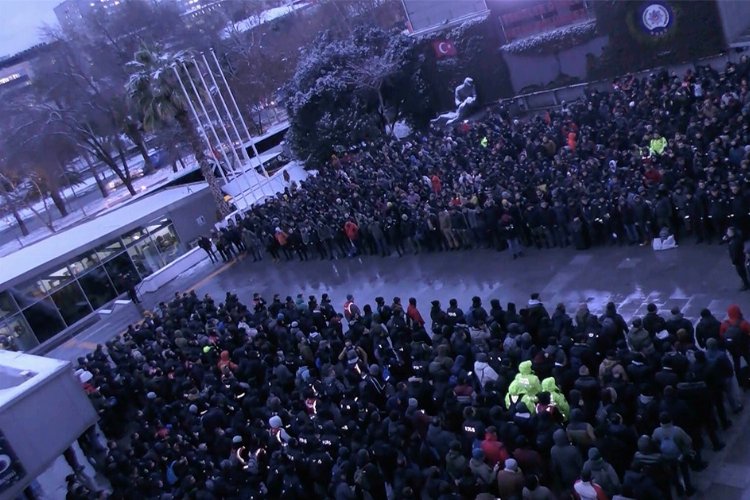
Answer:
(691, 277)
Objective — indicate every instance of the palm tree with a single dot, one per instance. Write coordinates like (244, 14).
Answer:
(154, 90)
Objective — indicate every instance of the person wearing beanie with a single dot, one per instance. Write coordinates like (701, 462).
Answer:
(652, 321)
(483, 473)
(510, 481)
(676, 447)
(602, 472)
(639, 339)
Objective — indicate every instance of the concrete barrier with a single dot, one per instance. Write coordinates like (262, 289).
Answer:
(172, 270)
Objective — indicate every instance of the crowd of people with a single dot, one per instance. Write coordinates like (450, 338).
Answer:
(662, 155)
(300, 398)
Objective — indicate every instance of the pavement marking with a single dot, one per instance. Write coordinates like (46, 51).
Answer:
(215, 273)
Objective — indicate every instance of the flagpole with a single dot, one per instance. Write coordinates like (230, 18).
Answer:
(242, 120)
(198, 121)
(210, 125)
(226, 133)
(234, 126)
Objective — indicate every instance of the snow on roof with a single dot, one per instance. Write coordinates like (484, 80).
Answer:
(69, 241)
(264, 17)
(19, 372)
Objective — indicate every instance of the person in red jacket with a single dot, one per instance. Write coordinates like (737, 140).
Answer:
(437, 184)
(735, 333)
(352, 232)
(413, 313)
(494, 450)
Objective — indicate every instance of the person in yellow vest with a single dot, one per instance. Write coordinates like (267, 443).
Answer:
(525, 384)
(657, 144)
(556, 397)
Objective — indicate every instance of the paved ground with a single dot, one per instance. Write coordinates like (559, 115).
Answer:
(691, 277)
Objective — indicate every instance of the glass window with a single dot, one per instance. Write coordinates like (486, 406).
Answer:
(145, 256)
(84, 262)
(110, 249)
(134, 236)
(71, 303)
(17, 334)
(166, 240)
(44, 319)
(120, 270)
(29, 292)
(55, 279)
(97, 287)
(7, 305)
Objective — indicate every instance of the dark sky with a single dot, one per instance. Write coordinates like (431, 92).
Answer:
(21, 23)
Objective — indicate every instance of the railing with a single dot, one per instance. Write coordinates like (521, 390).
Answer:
(552, 98)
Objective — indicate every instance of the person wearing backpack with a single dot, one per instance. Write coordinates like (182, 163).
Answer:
(735, 332)
(676, 449)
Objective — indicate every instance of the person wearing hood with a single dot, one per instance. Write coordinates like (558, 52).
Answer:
(556, 397)
(580, 432)
(677, 321)
(524, 384)
(735, 332)
(566, 461)
(536, 314)
(639, 339)
(602, 473)
(484, 372)
(455, 461)
(610, 369)
(708, 327)
(510, 481)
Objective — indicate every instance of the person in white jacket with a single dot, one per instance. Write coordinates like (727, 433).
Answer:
(483, 370)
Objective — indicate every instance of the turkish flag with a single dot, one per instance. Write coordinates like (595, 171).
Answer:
(444, 48)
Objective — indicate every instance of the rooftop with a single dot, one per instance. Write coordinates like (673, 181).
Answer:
(64, 243)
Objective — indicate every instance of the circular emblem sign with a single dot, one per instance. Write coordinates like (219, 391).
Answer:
(656, 18)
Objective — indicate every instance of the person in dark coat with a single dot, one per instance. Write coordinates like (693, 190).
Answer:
(707, 328)
(735, 245)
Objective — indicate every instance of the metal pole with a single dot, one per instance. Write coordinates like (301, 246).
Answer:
(234, 125)
(226, 109)
(208, 117)
(198, 121)
(226, 133)
(242, 120)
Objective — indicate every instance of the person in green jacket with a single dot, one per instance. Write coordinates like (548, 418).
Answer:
(657, 144)
(549, 385)
(525, 384)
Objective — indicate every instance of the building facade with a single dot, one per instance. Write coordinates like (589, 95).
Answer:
(96, 261)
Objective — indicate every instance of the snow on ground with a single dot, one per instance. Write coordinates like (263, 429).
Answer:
(264, 17)
(118, 196)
